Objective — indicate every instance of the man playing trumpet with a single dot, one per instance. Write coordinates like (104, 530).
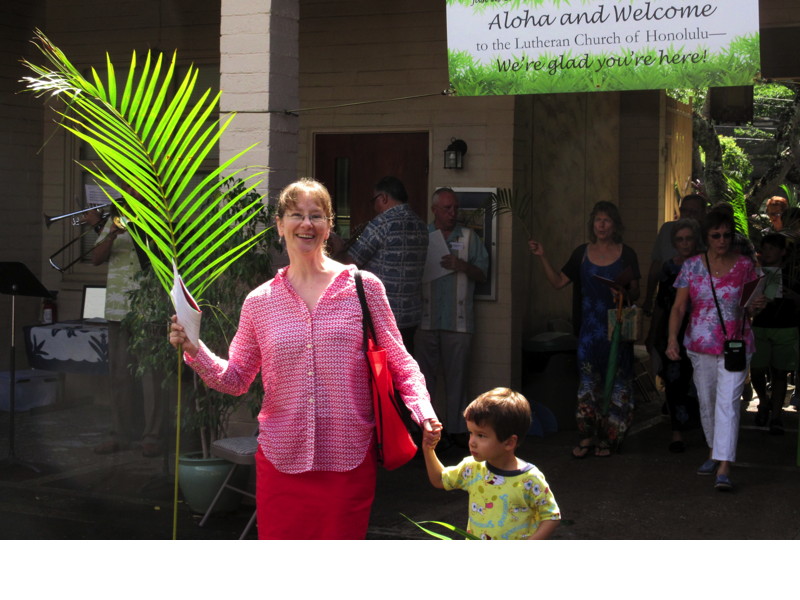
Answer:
(116, 247)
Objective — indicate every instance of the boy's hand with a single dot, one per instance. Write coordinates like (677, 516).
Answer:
(432, 434)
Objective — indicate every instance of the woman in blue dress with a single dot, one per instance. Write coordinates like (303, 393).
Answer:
(591, 268)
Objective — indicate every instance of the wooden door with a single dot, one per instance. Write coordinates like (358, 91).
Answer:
(350, 164)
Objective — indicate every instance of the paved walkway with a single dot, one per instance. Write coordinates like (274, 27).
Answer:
(644, 492)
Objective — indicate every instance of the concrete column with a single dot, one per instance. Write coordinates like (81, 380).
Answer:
(259, 80)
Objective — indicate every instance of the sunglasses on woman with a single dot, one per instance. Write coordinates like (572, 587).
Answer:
(715, 236)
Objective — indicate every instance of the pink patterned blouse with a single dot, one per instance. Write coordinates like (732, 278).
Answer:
(704, 333)
(317, 408)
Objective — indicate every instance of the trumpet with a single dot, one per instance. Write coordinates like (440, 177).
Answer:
(119, 221)
(77, 219)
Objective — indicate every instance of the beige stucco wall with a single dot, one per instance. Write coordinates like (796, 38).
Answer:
(565, 151)
(396, 51)
(574, 142)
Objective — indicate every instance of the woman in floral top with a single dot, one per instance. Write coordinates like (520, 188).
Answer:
(718, 389)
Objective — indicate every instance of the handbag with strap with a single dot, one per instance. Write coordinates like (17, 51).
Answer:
(734, 351)
(630, 324)
(394, 443)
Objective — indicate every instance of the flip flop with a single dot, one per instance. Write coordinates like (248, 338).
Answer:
(602, 451)
(582, 450)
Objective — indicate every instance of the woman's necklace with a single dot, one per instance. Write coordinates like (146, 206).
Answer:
(719, 267)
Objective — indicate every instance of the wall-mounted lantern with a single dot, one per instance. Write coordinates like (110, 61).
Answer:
(454, 154)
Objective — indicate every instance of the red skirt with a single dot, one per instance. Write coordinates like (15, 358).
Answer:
(315, 505)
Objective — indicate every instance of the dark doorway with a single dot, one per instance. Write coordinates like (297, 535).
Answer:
(349, 164)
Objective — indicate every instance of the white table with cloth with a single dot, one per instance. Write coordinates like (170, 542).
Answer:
(69, 346)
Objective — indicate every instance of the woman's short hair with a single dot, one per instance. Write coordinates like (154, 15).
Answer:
(610, 209)
(686, 224)
(778, 200)
(721, 214)
(507, 412)
(289, 195)
(393, 187)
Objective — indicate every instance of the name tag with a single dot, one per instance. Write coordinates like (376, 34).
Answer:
(456, 245)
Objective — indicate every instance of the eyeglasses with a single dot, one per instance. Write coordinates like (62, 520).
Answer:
(684, 238)
(316, 218)
(715, 236)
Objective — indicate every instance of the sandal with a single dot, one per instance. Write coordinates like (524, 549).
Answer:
(602, 450)
(582, 450)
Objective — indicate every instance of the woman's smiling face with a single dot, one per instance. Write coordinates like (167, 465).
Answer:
(304, 226)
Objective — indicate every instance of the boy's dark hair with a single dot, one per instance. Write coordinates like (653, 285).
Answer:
(774, 239)
(504, 410)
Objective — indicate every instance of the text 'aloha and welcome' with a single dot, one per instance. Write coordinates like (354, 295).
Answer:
(620, 14)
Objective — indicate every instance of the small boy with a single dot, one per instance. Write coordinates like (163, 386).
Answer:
(509, 498)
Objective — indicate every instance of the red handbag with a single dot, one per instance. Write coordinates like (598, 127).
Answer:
(394, 443)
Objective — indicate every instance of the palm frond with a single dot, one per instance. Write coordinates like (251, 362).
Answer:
(735, 196)
(460, 532)
(506, 201)
(790, 194)
(156, 141)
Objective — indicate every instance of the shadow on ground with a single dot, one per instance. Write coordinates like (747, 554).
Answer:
(644, 492)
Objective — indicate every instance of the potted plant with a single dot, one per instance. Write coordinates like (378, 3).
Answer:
(154, 133)
(208, 412)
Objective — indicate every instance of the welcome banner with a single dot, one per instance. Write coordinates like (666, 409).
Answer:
(502, 47)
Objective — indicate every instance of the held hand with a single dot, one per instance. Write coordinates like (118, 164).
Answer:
(536, 248)
(431, 433)
(177, 337)
(758, 304)
(452, 262)
(92, 217)
(673, 350)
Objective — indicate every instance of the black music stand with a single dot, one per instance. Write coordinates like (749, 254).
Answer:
(17, 280)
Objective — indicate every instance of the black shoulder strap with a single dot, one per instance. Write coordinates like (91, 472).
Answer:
(369, 328)
(713, 291)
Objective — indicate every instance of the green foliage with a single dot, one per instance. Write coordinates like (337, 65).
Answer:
(734, 195)
(697, 96)
(735, 162)
(460, 532)
(507, 202)
(790, 193)
(771, 101)
(750, 131)
(470, 77)
(150, 310)
(156, 141)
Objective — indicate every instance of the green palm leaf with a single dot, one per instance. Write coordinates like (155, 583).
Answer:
(735, 196)
(156, 141)
(505, 201)
(465, 534)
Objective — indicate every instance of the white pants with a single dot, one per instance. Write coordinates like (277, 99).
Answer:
(718, 392)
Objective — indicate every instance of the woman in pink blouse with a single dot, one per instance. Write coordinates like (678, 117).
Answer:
(718, 389)
(302, 331)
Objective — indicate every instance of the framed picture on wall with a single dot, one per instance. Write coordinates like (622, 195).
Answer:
(471, 213)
